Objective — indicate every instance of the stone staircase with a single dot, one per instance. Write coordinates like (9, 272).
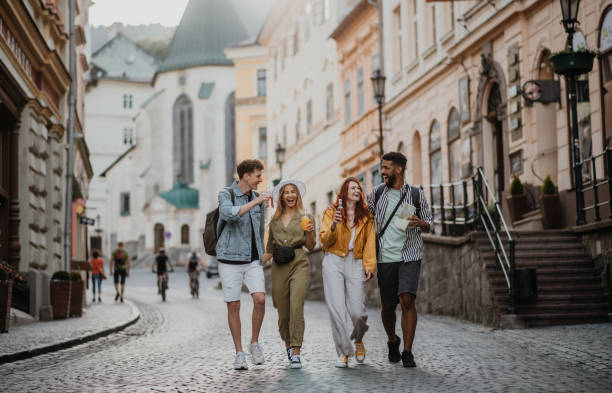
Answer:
(568, 289)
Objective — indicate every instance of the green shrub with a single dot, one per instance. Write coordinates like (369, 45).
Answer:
(61, 275)
(548, 187)
(75, 276)
(3, 275)
(516, 187)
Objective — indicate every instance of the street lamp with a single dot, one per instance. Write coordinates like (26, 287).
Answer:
(280, 158)
(378, 82)
(569, 9)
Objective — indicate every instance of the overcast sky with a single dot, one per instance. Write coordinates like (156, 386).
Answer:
(136, 12)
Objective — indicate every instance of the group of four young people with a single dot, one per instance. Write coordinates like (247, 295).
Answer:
(361, 237)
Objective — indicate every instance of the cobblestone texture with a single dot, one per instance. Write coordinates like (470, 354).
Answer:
(96, 317)
(184, 346)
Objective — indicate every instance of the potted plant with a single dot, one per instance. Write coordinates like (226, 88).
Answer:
(574, 62)
(551, 205)
(77, 294)
(6, 291)
(60, 294)
(517, 200)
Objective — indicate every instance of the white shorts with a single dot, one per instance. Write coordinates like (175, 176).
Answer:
(233, 276)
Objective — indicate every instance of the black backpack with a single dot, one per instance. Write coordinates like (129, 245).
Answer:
(210, 235)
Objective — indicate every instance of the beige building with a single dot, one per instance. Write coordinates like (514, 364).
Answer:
(357, 52)
(454, 76)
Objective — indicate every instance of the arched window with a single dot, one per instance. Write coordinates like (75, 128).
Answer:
(417, 171)
(435, 160)
(401, 148)
(185, 234)
(158, 236)
(183, 140)
(454, 145)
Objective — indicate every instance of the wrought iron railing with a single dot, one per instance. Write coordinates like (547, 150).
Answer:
(472, 205)
(588, 170)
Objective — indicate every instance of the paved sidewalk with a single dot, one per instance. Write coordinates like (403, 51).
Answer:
(99, 319)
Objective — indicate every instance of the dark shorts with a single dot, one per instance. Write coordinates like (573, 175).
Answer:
(396, 278)
(120, 274)
(161, 272)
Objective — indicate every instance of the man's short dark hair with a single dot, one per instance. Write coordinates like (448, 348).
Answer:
(249, 166)
(397, 158)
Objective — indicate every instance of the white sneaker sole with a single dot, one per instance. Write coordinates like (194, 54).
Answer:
(341, 365)
(296, 366)
(360, 359)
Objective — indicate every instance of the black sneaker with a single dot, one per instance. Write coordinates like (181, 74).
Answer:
(408, 359)
(394, 353)
(121, 299)
(117, 297)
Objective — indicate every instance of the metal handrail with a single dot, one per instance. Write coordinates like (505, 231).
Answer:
(595, 184)
(507, 262)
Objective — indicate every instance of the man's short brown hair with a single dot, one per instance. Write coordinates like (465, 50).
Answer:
(249, 166)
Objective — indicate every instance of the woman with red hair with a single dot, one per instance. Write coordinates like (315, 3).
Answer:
(349, 241)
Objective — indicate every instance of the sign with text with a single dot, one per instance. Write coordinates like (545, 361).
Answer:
(86, 220)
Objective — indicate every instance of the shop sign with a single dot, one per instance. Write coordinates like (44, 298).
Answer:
(12, 43)
(605, 35)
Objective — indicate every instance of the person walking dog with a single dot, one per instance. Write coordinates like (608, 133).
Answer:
(349, 242)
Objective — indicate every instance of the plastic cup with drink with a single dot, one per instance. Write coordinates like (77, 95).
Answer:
(305, 222)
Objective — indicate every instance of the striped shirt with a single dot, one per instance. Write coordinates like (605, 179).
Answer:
(413, 247)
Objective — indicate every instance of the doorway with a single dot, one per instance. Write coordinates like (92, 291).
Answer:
(158, 236)
(493, 136)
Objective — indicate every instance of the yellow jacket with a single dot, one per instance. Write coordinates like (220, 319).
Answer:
(337, 241)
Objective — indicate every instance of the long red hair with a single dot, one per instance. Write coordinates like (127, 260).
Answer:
(361, 207)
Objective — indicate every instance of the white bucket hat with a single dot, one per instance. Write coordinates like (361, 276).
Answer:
(298, 184)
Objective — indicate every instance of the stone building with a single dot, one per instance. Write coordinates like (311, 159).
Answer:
(34, 109)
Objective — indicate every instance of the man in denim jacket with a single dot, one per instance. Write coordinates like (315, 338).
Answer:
(239, 251)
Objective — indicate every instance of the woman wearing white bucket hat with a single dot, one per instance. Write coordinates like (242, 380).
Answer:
(289, 231)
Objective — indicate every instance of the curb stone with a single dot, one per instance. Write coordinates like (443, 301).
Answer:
(13, 357)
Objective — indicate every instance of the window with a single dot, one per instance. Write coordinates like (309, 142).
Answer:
(347, 102)
(313, 209)
(431, 17)
(413, 17)
(298, 121)
(183, 140)
(330, 197)
(375, 175)
(296, 39)
(362, 179)
(327, 9)
(329, 102)
(309, 117)
(128, 101)
(185, 234)
(360, 98)
(261, 83)
(307, 22)
(128, 136)
(454, 151)
(318, 13)
(124, 204)
(435, 159)
(263, 143)
(398, 34)
(275, 63)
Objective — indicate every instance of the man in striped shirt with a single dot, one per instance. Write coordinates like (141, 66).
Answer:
(401, 213)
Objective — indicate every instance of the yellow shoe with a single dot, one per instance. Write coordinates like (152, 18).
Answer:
(360, 352)
(342, 361)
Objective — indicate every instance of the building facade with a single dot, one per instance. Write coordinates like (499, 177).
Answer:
(454, 76)
(34, 110)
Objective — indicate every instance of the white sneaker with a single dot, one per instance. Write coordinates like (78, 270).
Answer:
(257, 353)
(240, 361)
(342, 361)
(289, 354)
(295, 362)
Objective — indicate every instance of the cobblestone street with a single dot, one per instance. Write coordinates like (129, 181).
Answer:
(184, 345)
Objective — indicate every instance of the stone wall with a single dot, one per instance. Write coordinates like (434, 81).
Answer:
(453, 281)
(597, 241)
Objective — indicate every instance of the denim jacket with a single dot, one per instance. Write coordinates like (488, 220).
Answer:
(234, 244)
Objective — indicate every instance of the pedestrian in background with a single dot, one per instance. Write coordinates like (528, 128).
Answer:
(120, 269)
(97, 273)
(401, 213)
(241, 228)
(289, 231)
(349, 242)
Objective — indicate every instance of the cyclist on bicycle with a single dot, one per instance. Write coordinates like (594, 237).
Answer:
(193, 267)
(161, 267)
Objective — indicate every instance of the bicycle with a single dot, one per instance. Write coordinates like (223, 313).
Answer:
(163, 286)
(195, 285)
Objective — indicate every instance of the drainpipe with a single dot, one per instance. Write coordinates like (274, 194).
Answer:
(71, 115)
(378, 4)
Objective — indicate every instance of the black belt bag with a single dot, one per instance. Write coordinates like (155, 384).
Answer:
(285, 254)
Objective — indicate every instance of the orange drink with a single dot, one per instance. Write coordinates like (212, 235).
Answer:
(305, 222)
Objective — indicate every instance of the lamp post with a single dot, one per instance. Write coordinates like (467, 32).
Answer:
(280, 158)
(569, 9)
(378, 82)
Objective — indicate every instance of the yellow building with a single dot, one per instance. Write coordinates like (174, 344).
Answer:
(250, 102)
(357, 50)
